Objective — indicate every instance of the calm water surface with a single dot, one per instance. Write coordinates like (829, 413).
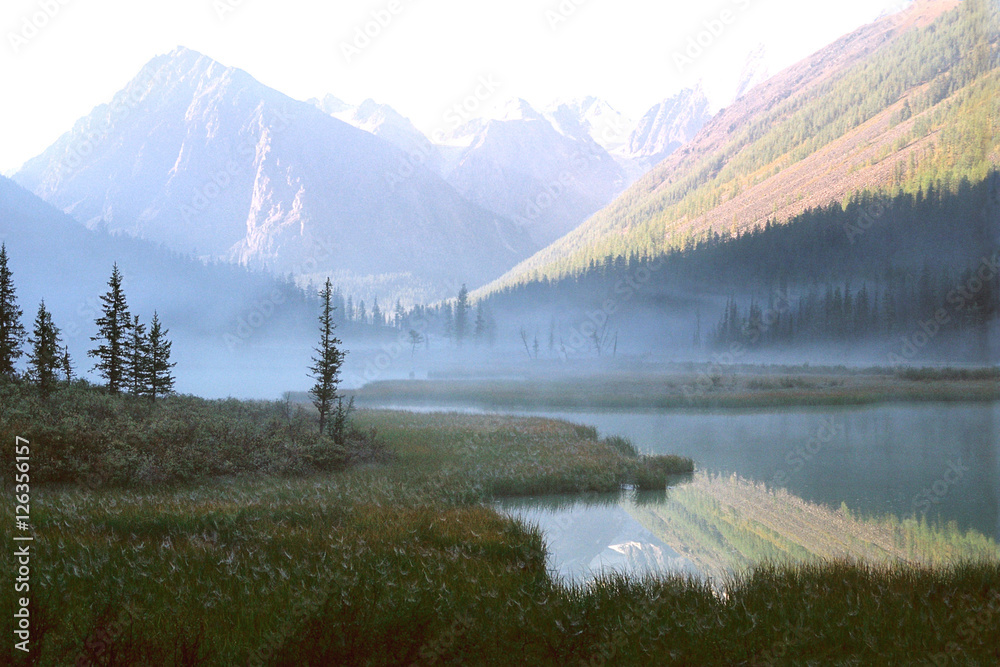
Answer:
(934, 460)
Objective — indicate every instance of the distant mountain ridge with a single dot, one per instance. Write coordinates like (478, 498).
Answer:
(518, 165)
(668, 125)
(524, 165)
(206, 160)
(899, 103)
(547, 170)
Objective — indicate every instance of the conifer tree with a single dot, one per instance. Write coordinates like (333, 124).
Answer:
(113, 329)
(160, 379)
(44, 357)
(11, 330)
(137, 361)
(327, 363)
(399, 315)
(66, 364)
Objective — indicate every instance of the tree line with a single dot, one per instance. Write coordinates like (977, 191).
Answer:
(946, 301)
(868, 266)
(129, 357)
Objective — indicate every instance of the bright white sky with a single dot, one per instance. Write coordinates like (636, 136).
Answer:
(428, 57)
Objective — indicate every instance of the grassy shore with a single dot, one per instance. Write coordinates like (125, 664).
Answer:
(402, 561)
(684, 387)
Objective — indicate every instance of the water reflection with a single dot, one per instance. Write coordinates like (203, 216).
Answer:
(594, 533)
(715, 525)
(939, 460)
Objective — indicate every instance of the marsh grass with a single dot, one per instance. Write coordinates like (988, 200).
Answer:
(403, 563)
(85, 435)
(738, 388)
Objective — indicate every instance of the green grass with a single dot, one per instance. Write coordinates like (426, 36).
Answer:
(402, 561)
(85, 435)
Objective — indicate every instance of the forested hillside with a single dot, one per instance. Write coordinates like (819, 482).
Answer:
(918, 113)
(874, 268)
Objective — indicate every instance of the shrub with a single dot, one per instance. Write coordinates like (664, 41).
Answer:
(84, 434)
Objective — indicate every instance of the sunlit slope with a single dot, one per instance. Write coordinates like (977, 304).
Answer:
(899, 104)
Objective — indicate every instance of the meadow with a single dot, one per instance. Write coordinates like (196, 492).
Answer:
(401, 559)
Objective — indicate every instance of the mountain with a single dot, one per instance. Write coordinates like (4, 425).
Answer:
(668, 125)
(214, 312)
(386, 123)
(590, 117)
(332, 106)
(206, 160)
(905, 103)
(516, 164)
(756, 70)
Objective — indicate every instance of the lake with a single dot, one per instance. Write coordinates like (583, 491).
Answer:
(919, 481)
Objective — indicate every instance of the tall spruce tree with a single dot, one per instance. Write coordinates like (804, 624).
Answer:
(137, 359)
(66, 364)
(160, 378)
(327, 363)
(11, 330)
(113, 329)
(399, 315)
(44, 358)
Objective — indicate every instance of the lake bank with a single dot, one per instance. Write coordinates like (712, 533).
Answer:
(685, 388)
(402, 562)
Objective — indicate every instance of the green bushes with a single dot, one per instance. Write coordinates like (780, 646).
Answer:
(83, 434)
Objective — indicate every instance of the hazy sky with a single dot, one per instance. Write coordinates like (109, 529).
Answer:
(426, 56)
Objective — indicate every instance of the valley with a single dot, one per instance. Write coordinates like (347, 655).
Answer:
(604, 334)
